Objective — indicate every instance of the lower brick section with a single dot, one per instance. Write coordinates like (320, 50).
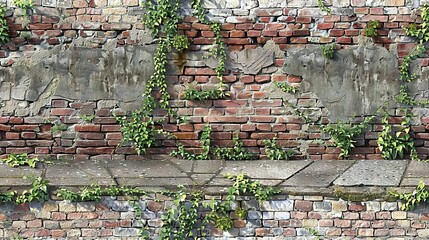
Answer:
(285, 217)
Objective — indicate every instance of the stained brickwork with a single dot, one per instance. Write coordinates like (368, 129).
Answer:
(256, 110)
(286, 217)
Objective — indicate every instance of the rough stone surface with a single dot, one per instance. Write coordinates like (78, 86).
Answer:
(319, 173)
(265, 169)
(373, 173)
(357, 81)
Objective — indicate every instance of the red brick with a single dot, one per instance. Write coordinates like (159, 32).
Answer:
(87, 128)
(324, 26)
(357, 207)
(304, 206)
(342, 223)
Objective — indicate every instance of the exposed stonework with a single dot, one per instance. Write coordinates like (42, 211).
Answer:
(357, 81)
(76, 73)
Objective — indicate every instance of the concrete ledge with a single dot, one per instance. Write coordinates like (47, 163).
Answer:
(367, 178)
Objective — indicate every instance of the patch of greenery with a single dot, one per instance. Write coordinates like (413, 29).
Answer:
(286, 87)
(241, 213)
(4, 28)
(16, 160)
(244, 185)
(395, 145)
(180, 43)
(404, 68)
(235, 153)
(7, 196)
(59, 128)
(421, 31)
(94, 192)
(205, 145)
(38, 191)
(201, 95)
(23, 5)
(87, 118)
(420, 194)
(328, 50)
(140, 130)
(313, 232)
(275, 152)
(371, 28)
(343, 134)
(180, 220)
(219, 214)
(323, 7)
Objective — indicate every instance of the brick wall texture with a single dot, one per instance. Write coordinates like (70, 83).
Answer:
(249, 111)
(286, 217)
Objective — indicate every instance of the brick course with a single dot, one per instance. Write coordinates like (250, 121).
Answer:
(256, 113)
(287, 216)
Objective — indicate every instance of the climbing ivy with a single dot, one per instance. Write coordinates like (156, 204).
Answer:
(323, 7)
(16, 160)
(371, 28)
(217, 50)
(94, 192)
(204, 143)
(395, 145)
(421, 33)
(37, 192)
(343, 134)
(275, 152)
(285, 87)
(235, 153)
(4, 35)
(328, 50)
(411, 199)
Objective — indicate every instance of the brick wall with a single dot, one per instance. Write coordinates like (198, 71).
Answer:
(250, 110)
(285, 217)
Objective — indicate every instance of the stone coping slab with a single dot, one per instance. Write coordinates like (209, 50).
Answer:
(323, 177)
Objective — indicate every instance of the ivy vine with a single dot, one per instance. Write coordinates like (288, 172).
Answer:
(4, 28)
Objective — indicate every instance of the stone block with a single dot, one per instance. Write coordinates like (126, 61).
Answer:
(285, 205)
(323, 206)
(66, 206)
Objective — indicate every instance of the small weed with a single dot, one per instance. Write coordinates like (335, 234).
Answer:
(343, 135)
(371, 28)
(328, 50)
(286, 87)
(87, 118)
(16, 160)
(59, 128)
(236, 153)
(420, 194)
(274, 152)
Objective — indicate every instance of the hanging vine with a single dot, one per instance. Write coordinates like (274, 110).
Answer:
(217, 50)
(421, 33)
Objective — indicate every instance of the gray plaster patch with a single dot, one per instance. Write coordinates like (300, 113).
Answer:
(357, 81)
(78, 73)
(145, 168)
(248, 61)
(373, 173)
(319, 173)
(265, 168)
